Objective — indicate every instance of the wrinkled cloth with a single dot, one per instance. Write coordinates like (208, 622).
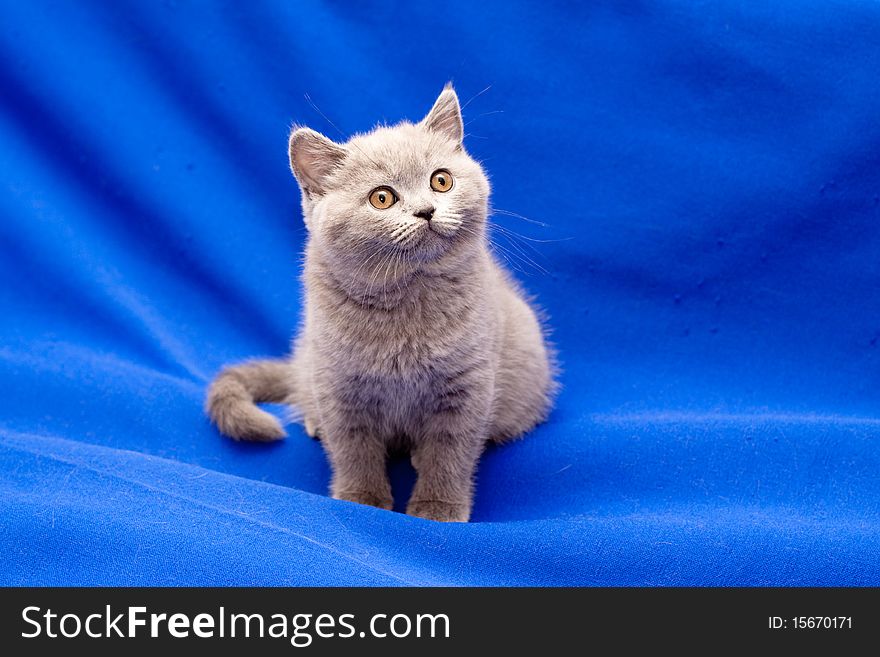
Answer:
(691, 191)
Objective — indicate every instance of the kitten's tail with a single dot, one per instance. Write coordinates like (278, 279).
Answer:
(232, 399)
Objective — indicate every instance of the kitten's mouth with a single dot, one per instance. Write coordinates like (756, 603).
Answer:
(428, 243)
(427, 240)
(423, 232)
(445, 226)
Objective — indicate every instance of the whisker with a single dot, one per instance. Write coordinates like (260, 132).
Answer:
(474, 97)
(530, 239)
(512, 237)
(518, 216)
(525, 255)
(402, 228)
(511, 256)
(482, 115)
(396, 261)
(447, 220)
(374, 277)
(324, 116)
(378, 251)
(335, 127)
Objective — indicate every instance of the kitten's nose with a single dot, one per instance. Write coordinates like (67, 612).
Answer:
(425, 213)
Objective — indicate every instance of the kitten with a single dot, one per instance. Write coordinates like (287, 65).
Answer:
(413, 336)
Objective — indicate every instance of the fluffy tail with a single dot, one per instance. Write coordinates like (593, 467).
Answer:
(232, 398)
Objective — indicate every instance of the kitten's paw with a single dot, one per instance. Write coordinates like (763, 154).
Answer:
(437, 510)
(312, 429)
(364, 497)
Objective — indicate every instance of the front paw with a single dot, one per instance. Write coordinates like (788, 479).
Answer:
(312, 429)
(364, 497)
(440, 511)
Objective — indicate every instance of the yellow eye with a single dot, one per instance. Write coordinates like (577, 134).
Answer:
(441, 180)
(382, 198)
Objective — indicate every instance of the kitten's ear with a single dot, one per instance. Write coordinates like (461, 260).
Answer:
(445, 116)
(313, 158)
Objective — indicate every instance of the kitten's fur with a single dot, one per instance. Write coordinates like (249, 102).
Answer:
(413, 336)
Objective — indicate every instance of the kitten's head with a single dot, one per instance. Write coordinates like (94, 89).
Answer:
(408, 192)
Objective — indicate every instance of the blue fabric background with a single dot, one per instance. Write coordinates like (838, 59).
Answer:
(708, 180)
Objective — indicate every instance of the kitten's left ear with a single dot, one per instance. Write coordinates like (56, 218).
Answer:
(445, 117)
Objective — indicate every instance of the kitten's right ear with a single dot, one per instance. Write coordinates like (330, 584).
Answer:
(313, 158)
(445, 117)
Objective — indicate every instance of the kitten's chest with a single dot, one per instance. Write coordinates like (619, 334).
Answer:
(390, 364)
(408, 340)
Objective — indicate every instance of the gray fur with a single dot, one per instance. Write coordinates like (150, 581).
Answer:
(413, 336)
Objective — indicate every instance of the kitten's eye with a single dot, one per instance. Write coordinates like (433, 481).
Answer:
(441, 180)
(382, 198)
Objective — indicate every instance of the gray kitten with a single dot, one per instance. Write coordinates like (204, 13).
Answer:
(413, 337)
